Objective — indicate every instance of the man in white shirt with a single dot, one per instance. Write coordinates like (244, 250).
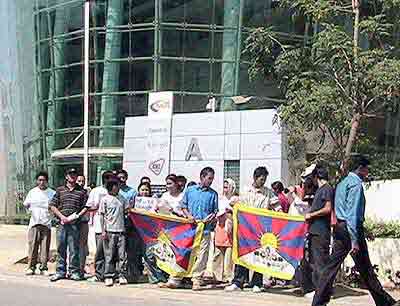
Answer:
(95, 197)
(39, 233)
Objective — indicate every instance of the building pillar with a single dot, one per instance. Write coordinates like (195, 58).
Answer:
(108, 113)
(230, 50)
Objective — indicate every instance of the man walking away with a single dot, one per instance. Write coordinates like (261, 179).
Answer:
(112, 209)
(319, 231)
(349, 238)
(68, 204)
(39, 233)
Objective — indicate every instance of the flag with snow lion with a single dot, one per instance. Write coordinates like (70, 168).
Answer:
(268, 242)
(174, 241)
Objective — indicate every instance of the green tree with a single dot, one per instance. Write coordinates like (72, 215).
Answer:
(344, 73)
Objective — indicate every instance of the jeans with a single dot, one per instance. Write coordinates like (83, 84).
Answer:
(68, 241)
(241, 273)
(99, 261)
(341, 248)
(114, 251)
(319, 256)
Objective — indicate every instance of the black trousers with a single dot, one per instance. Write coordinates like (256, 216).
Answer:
(341, 248)
(241, 273)
(319, 255)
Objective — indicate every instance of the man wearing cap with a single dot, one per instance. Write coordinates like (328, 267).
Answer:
(68, 205)
(319, 220)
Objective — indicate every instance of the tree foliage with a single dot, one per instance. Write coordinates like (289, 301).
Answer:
(339, 78)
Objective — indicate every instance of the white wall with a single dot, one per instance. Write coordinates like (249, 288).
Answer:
(382, 201)
(248, 136)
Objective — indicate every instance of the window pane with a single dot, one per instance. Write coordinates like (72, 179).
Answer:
(193, 104)
(172, 42)
(69, 113)
(173, 10)
(138, 11)
(136, 75)
(138, 43)
(73, 81)
(196, 76)
(198, 11)
(171, 75)
(197, 44)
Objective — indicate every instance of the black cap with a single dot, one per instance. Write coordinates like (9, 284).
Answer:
(71, 171)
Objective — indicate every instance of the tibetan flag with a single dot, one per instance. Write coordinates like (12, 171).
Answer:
(268, 242)
(174, 241)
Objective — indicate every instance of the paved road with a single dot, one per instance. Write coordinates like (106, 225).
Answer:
(18, 290)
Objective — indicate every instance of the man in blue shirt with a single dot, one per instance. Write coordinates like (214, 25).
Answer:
(200, 203)
(349, 238)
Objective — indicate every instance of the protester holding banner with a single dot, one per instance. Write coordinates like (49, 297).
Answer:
(170, 201)
(319, 231)
(200, 203)
(258, 196)
(222, 261)
(93, 202)
(144, 201)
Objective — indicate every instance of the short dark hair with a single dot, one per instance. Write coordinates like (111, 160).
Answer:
(260, 171)
(322, 173)
(42, 173)
(124, 172)
(181, 179)
(191, 183)
(362, 162)
(111, 183)
(144, 178)
(207, 170)
(278, 186)
(106, 176)
(172, 177)
(147, 184)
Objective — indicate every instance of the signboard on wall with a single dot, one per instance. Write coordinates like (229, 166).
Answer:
(158, 136)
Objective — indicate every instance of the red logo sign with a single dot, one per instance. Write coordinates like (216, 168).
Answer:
(157, 166)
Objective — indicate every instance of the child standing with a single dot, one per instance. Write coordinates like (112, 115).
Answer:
(112, 208)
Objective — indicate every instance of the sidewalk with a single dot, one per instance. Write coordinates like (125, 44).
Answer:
(13, 248)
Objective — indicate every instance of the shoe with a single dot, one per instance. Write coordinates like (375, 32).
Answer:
(76, 277)
(169, 285)
(232, 287)
(109, 282)
(44, 272)
(310, 295)
(29, 271)
(196, 286)
(56, 277)
(257, 289)
(94, 279)
(122, 281)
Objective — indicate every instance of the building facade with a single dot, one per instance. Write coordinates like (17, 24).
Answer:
(191, 47)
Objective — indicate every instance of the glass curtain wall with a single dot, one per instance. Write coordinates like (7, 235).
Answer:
(191, 47)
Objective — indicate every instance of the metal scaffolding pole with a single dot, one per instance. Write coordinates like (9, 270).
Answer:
(86, 95)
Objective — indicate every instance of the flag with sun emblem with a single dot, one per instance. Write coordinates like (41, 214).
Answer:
(268, 242)
(174, 241)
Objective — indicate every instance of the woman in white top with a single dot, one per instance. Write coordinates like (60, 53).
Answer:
(171, 199)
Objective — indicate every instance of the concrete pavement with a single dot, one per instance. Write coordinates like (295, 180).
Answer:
(19, 290)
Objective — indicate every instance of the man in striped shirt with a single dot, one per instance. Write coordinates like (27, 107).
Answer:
(68, 205)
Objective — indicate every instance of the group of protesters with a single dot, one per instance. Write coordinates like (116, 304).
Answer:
(334, 216)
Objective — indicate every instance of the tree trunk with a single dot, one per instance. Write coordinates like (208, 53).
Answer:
(355, 124)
